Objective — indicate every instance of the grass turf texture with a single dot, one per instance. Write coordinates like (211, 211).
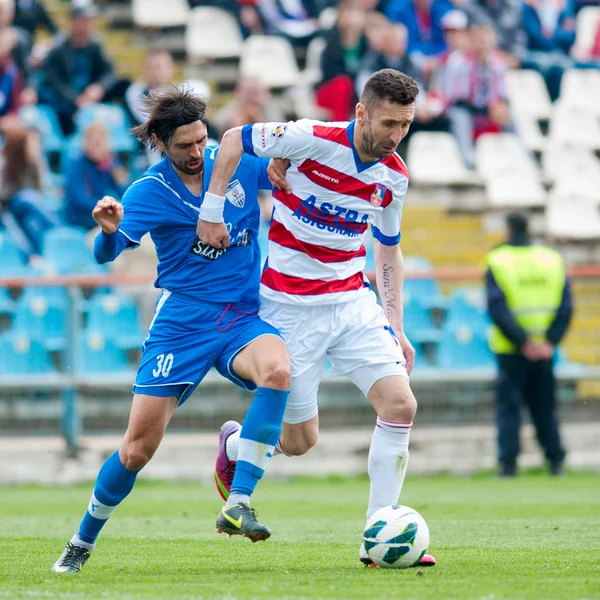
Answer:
(533, 537)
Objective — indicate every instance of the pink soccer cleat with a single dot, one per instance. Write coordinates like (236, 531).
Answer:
(224, 467)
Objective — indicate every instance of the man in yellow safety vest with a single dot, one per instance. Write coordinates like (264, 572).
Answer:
(529, 302)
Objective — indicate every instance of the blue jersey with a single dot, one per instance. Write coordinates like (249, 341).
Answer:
(159, 203)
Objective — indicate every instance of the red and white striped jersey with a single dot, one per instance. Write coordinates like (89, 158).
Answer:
(316, 250)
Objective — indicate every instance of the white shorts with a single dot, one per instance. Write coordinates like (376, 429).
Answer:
(355, 336)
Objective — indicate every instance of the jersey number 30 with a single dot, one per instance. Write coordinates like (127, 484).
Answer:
(163, 366)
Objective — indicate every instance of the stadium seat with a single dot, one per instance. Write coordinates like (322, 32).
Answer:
(464, 348)
(515, 190)
(574, 125)
(570, 163)
(53, 295)
(99, 355)
(42, 321)
(418, 324)
(467, 307)
(7, 305)
(497, 155)
(43, 119)
(117, 319)
(527, 93)
(425, 291)
(20, 355)
(271, 59)
(588, 20)
(114, 118)
(65, 249)
(434, 159)
(160, 14)
(571, 215)
(11, 262)
(207, 29)
(580, 89)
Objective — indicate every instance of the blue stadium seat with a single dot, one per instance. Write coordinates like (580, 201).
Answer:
(117, 319)
(20, 355)
(66, 249)
(418, 323)
(7, 305)
(39, 320)
(53, 295)
(99, 355)
(467, 307)
(464, 348)
(11, 261)
(114, 118)
(426, 291)
(44, 119)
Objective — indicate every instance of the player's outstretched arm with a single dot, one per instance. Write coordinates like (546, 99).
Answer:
(389, 265)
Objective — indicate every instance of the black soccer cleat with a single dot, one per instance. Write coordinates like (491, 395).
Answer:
(71, 560)
(240, 519)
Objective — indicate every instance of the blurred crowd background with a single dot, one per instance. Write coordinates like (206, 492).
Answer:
(508, 118)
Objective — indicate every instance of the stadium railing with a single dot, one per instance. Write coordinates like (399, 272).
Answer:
(71, 382)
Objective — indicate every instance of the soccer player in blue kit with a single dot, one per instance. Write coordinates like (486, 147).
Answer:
(207, 314)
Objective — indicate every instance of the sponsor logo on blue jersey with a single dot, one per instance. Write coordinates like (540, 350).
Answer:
(208, 252)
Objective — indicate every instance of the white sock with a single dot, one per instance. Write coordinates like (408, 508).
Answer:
(237, 499)
(232, 445)
(388, 461)
(77, 541)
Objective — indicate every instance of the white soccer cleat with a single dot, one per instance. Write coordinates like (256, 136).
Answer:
(71, 560)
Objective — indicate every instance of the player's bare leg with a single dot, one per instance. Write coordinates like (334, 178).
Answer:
(396, 407)
(148, 420)
(266, 362)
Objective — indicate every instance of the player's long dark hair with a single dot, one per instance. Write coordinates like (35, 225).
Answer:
(168, 109)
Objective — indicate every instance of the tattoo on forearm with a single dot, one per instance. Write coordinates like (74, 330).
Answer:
(389, 296)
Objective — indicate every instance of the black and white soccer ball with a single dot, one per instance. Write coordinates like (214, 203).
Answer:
(396, 537)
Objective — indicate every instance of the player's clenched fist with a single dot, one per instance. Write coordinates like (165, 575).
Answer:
(108, 213)
(213, 234)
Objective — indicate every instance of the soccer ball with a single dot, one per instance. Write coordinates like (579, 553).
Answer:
(396, 537)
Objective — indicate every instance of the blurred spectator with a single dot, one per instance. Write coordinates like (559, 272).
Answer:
(20, 48)
(95, 174)
(159, 70)
(30, 15)
(423, 19)
(529, 302)
(11, 81)
(550, 29)
(76, 70)
(293, 19)
(22, 202)
(474, 89)
(251, 104)
(340, 61)
(506, 15)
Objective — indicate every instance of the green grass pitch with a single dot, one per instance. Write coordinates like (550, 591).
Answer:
(533, 537)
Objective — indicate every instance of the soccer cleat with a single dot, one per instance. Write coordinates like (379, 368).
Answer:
(426, 560)
(225, 468)
(71, 560)
(240, 519)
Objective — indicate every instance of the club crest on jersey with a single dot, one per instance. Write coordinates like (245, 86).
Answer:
(236, 194)
(279, 131)
(378, 195)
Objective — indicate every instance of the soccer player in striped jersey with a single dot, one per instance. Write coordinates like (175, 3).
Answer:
(207, 314)
(342, 178)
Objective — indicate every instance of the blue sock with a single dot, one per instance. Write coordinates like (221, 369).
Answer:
(260, 432)
(113, 484)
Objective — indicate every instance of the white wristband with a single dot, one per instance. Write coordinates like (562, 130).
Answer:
(211, 209)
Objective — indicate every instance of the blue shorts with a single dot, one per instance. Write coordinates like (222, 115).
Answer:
(187, 338)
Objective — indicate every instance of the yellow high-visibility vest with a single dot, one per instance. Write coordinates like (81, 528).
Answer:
(532, 279)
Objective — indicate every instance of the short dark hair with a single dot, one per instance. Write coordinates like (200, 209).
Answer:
(167, 110)
(391, 85)
(517, 224)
